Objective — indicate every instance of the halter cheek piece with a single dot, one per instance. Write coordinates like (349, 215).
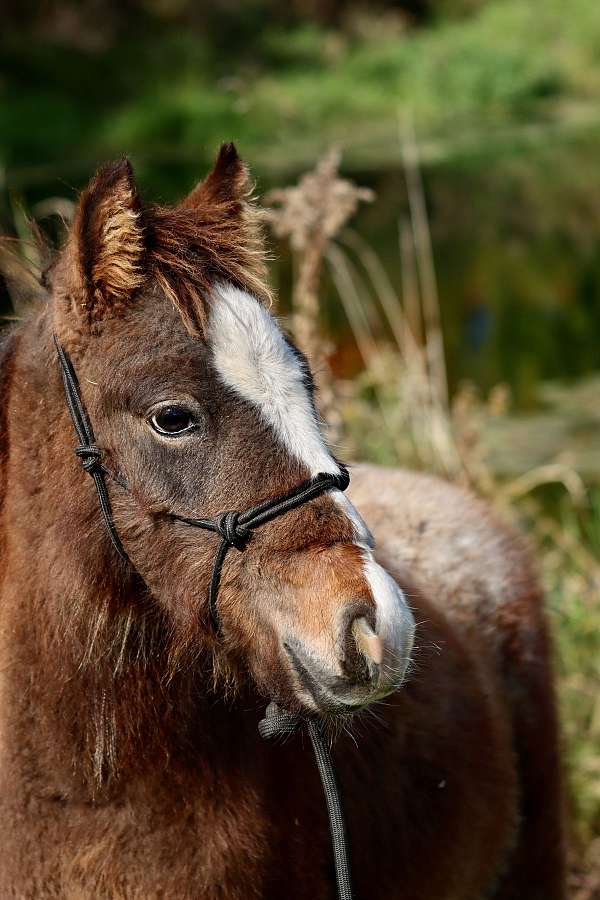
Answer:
(234, 529)
(87, 451)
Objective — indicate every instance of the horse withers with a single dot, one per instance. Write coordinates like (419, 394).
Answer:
(130, 761)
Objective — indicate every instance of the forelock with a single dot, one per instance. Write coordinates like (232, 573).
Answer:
(190, 249)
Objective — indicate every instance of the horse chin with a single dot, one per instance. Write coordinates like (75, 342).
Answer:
(330, 693)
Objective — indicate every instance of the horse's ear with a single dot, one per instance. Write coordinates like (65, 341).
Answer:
(107, 240)
(228, 224)
(227, 186)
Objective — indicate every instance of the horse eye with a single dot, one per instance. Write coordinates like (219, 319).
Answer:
(173, 420)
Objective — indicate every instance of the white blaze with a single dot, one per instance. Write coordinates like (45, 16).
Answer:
(252, 358)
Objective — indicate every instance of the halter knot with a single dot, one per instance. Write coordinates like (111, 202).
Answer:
(90, 456)
(231, 530)
(278, 723)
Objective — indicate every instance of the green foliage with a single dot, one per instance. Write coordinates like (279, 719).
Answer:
(173, 93)
(503, 97)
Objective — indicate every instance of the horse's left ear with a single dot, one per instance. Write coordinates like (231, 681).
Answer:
(227, 187)
(105, 248)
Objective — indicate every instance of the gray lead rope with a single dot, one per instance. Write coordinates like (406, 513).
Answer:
(278, 723)
(234, 528)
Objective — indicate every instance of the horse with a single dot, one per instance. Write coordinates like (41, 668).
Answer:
(130, 761)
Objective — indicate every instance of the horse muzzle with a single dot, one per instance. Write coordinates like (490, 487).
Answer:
(372, 654)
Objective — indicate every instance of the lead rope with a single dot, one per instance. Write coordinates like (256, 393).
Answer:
(234, 528)
(278, 723)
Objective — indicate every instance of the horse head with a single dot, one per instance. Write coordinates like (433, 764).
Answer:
(201, 404)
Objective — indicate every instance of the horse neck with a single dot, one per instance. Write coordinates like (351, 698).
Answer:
(83, 639)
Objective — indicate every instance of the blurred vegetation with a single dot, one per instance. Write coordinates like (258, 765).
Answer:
(475, 124)
(167, 81)
(503, 97)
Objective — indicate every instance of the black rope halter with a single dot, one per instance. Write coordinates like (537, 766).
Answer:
(87, 451)
(234, 529)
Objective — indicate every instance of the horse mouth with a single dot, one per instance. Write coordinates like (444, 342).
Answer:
(329, 694)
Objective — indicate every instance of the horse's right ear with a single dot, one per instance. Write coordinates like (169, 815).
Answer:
(106, 244)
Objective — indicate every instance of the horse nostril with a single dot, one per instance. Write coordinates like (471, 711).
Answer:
(369, 643)
(363, 650)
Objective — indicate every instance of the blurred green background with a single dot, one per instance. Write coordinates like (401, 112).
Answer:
(503, 97)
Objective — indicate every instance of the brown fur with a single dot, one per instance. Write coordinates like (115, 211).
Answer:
(117, 245)
(130, 763)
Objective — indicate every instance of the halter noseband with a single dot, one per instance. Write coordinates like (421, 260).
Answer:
(234, 528)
